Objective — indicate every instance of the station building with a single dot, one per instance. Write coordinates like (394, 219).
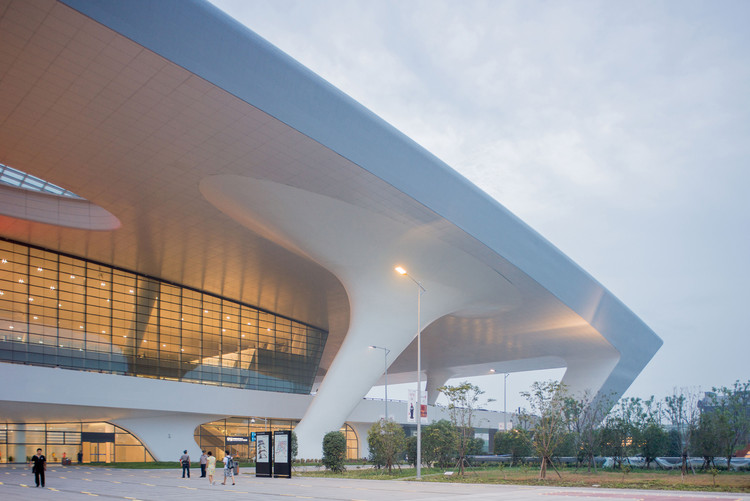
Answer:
(198, 237)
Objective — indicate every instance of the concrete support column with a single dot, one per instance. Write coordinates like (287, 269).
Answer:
(436, 379)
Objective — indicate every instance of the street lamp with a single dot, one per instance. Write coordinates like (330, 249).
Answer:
(420, 290)
(265, 422)
(386, 351)
(505, 402)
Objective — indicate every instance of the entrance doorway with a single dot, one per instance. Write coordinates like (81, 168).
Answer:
(98, 452)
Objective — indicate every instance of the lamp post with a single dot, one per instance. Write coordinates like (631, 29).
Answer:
(420, 290)
(265, 422)
(386, 351)
(505, 402)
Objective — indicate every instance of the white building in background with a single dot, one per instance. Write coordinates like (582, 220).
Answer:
(199, 238)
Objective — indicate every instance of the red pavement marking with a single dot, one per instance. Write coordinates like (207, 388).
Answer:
(640, 497)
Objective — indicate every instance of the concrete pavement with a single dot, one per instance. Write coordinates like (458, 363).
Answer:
(84, 482)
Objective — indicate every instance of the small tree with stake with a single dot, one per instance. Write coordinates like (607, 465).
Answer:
(463, 403)
(547, 400)
(387, 442)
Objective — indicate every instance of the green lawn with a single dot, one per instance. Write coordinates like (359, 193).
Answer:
(635, 479)
(523, 475)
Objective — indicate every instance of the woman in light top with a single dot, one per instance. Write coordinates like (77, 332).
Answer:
(211, 468)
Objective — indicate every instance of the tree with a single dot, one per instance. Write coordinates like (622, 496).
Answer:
(463, 403)
(654, 442)
(732, 409)
(475, 447)
(584, 415)
(334, 451)
(387, 442)
(411, 451)
(516, 442)
(294, 446)
(547, 401)
(615, 435)
(653, 439)
(439, 444)
(707, 441)
(682, 411)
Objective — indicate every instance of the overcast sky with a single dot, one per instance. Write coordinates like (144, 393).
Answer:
(620, 131)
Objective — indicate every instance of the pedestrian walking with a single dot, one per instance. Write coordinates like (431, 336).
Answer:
(211, 467)
(228, 468)
(39, 467)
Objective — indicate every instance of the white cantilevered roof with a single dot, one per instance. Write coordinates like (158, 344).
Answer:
(235, 170)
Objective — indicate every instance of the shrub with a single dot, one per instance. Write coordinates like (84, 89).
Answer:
(334, 451)
(387, 441)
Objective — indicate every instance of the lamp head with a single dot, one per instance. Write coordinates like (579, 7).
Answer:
(400, 270)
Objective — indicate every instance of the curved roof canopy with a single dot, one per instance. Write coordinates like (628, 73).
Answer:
(235, 170)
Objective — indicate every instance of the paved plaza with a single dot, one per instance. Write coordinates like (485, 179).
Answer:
(83, 482)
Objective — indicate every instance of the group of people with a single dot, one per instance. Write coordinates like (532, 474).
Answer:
(208, 466)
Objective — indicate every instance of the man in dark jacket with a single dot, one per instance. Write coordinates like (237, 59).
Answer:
(39, 467)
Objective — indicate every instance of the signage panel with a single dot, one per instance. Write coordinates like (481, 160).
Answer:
(263, 454)
(282, 454)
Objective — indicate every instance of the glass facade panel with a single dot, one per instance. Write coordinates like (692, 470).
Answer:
(61, 441)
(61, 311)
(213, 436)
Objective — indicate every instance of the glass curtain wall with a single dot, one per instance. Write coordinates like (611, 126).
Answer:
(61, 311)
(98, 442)
(213, 436)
